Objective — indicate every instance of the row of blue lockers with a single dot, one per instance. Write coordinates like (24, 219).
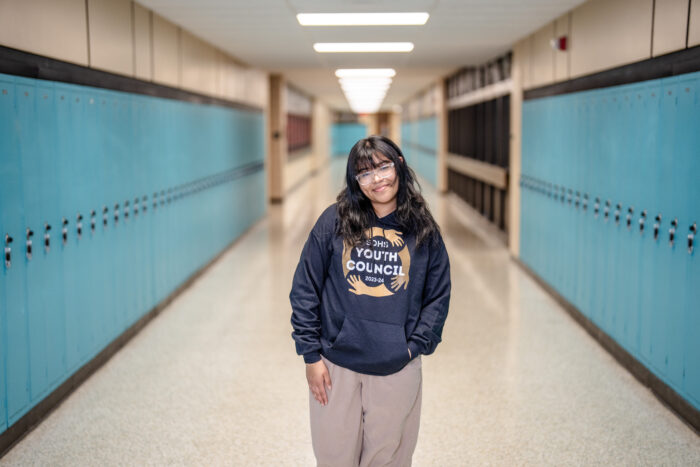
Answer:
(344, 135)
(419, 145)
(609, 212)
(126, 196)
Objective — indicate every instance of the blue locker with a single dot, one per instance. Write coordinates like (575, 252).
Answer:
(13, 311)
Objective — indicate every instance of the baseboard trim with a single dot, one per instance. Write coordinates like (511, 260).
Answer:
(667, 395)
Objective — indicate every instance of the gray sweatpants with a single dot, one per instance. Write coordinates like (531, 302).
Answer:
(369, 420)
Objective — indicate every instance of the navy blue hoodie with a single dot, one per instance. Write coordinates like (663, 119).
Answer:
(364, 307)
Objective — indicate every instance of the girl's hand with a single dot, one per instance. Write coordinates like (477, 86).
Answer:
(318, 378)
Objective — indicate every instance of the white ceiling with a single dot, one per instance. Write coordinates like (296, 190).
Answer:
(266, 34)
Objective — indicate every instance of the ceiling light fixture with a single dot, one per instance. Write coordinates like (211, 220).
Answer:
(365, 72)
(363, 19)
(341, 47)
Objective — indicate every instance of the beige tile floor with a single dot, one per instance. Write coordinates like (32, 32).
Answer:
(214, 379)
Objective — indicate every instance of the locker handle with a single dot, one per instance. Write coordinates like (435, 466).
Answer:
(79, 225)
(30, 234)
(596, 207)
(64, 231)
(618, 208)
(92, 221)
(672, 231)
(578, 200)
(116, 214)
(606, 211)
(126, 210)
(656, 227)
(136, 207)
(630, 211)
(642, 220)
(8, 251)
(144, 203)
(155, 200)
(105, 216)
(47, 237)
(691, 236)
(585, 202)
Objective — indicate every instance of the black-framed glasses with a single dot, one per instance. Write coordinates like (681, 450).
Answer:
(383, 171)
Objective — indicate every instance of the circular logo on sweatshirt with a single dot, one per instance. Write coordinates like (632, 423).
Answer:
(380, 266)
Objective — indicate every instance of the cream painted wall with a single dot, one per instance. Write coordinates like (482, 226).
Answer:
(142, 43)
(49, 20)
(166, 55)
(542, 64)
(321, 120)
(561, 57)
(609, 33)
(111, 36)
(198, 65)
(124, 37)
(670, 22)
(694, 25)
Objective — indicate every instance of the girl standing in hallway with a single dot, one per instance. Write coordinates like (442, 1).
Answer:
(370, 296)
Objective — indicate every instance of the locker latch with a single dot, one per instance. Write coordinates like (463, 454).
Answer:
(596, 207)
(126, 210)
(642, 220)
(606, 211)
(630, 211)
(136, 207)
(563, 194)
(144, 203)
(155, 200)
(569, 196)
(577, 203)
(30, 234)
(116, 214)
(105, 216)
(8, 251)
(656, 226)
(672, 231)
(79, 225)
(585, 201)
(64, 231)
(691, 236)
(618, 208)
(92, 221)
(47, 237)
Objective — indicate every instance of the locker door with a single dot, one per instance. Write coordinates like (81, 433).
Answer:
(690, 116)
(38, 213)
(15, 392)
(69, 150)
(650, 248)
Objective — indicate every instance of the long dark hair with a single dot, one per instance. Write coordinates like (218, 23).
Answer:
(355, 211)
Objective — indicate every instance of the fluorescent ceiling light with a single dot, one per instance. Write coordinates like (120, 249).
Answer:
(363, 19)
(332, 47)
(365, 82)
(365, 72)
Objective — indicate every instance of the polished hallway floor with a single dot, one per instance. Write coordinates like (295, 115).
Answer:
(214, 379)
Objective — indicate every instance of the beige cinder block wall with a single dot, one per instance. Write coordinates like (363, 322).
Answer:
(602, 34)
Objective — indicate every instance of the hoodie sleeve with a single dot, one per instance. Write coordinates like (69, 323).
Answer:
(305, 296)
(435, 303)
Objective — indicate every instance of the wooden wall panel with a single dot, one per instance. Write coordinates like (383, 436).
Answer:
(609, 33)
(111, 36)
(54, 28)
(670, 22)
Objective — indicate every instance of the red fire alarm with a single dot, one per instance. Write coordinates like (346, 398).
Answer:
(558, 43)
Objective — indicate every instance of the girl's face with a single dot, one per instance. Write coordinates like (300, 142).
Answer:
(383, 185)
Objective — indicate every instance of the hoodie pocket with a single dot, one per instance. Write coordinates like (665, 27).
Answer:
(374, 346)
